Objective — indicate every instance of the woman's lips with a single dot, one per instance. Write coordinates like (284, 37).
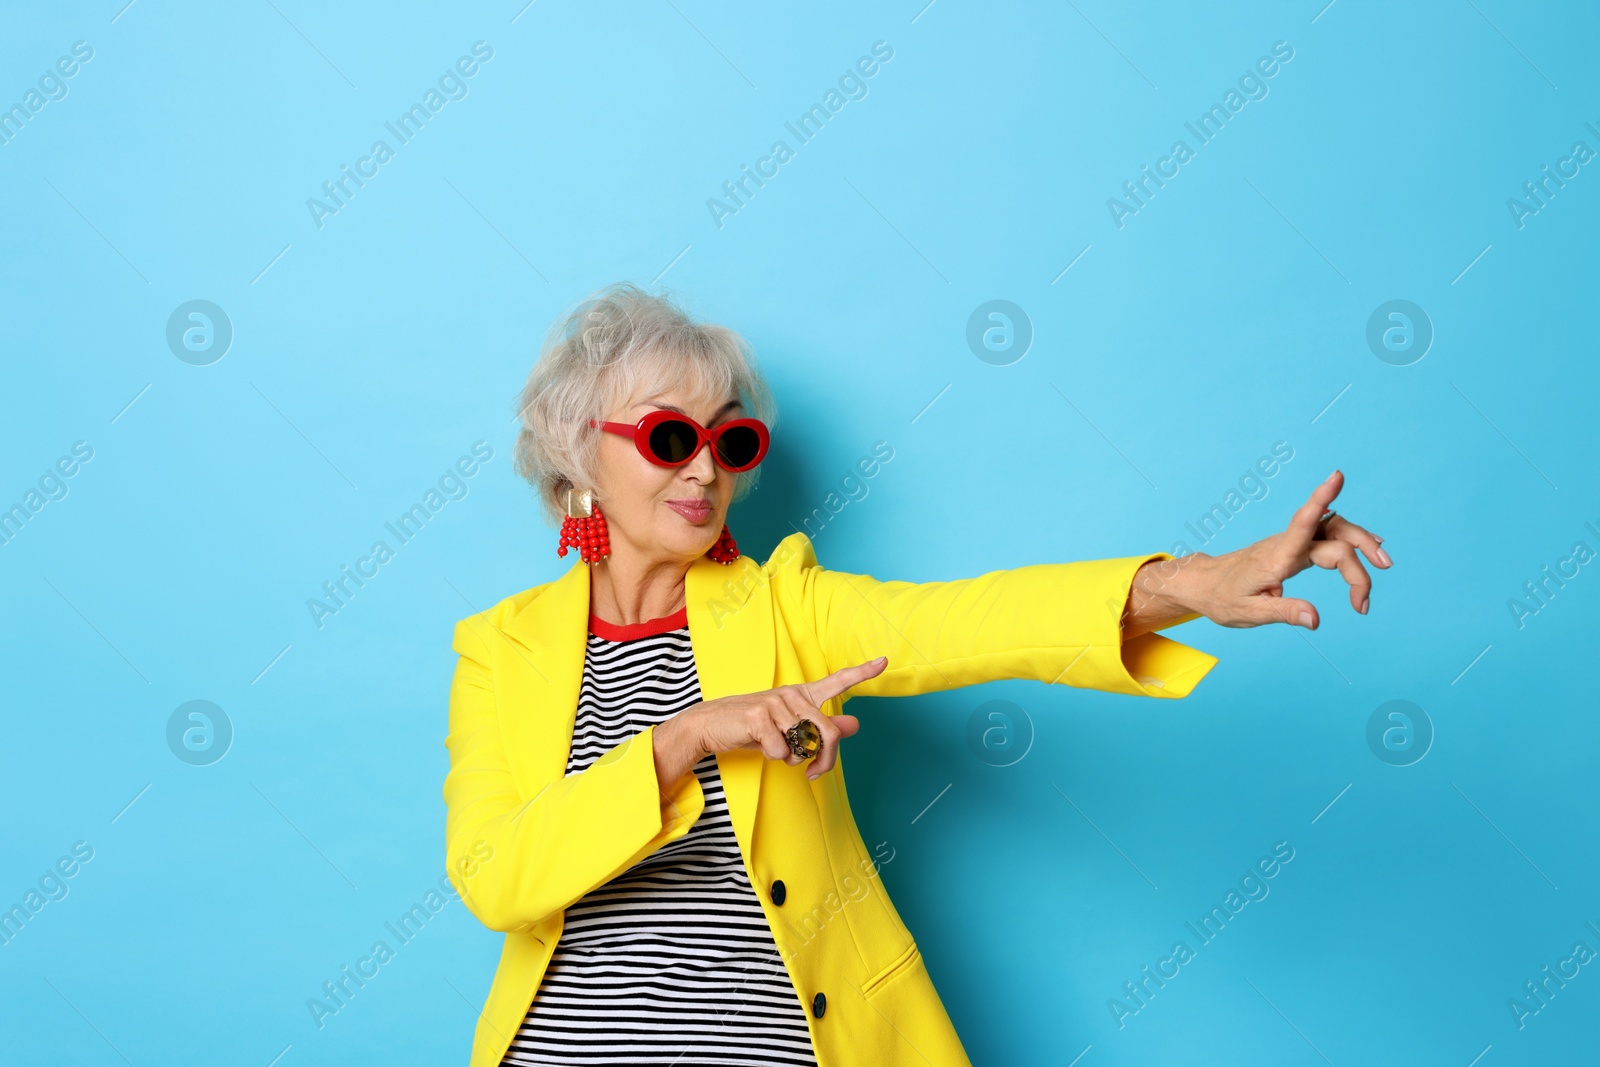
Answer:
(696, 511)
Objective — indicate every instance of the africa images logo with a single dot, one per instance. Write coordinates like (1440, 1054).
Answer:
(1210, 123)
(451, 85)
(852, 85)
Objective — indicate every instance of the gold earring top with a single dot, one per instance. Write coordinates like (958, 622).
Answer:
(580, 505)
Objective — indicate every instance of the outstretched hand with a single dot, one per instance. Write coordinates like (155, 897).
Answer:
(1246, 586)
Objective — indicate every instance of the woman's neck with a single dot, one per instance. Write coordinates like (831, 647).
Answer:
(625, 590)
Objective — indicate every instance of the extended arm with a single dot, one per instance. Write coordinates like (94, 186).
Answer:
(1164, 593)
(514, 861)
(1053, 622)
(1245, 587)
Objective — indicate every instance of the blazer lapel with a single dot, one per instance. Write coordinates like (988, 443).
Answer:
(730, 631)
(539, 701)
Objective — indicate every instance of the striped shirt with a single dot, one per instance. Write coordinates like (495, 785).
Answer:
(672, 962)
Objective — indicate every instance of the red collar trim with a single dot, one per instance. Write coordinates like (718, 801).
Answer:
(612, 631)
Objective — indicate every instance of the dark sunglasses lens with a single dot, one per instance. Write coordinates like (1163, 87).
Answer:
(739, 446)
(673, 441)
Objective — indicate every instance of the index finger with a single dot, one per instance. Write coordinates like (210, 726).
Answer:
(1303, 523)
(825, 689)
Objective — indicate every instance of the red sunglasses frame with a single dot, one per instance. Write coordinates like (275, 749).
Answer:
(641, 432)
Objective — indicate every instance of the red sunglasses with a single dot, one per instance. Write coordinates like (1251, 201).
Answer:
(669, 439)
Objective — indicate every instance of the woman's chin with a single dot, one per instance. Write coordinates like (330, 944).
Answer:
(688, 540)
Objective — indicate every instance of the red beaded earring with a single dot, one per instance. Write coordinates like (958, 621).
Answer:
(725, 550)
(584, 528)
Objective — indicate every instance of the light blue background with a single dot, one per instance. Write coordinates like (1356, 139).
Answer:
(1227, 315)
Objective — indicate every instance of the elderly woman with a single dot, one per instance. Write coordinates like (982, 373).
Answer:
(645, 789)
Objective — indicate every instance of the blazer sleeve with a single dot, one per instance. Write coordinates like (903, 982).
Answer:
(515, 862)
(1058, 623)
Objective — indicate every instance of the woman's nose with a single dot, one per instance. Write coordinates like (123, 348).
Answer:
(702, 466)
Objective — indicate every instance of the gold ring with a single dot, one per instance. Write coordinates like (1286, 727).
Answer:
(804, 738)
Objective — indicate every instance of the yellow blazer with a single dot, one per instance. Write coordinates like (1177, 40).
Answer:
(523, 840)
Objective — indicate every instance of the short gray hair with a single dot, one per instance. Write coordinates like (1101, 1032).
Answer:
(622, 344)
